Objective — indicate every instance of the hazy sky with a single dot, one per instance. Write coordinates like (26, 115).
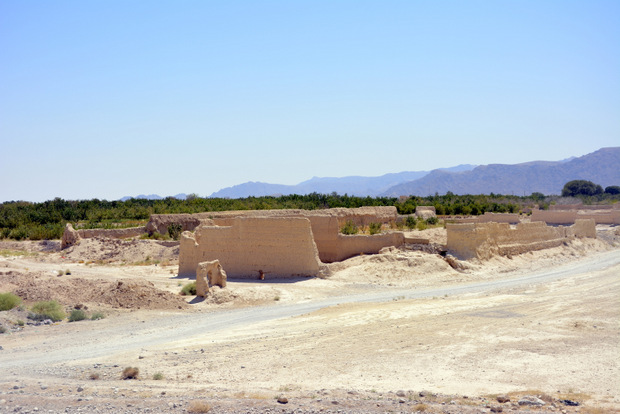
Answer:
(103, 98)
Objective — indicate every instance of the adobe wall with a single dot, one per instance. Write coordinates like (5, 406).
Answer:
(159, 222)
(484, 240)
(279, 246)
(610, 216)
(361, 216)
(112, 233)
(489, 217)
(347, 246)
(585, 207)
(554, 216)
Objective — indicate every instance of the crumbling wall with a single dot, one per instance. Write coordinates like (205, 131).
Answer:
(484, 240)
(489, 217)
(159, 222)
(601, 217)
(425, 212)
(361, 216)
(209, 274)
(584, 207)
(609, 216)
(72, 236)
(280, 247)
(352, 245)
(554, 216)
(112, 233)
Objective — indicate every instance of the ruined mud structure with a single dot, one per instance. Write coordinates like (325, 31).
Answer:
(484, 240)
(71, 236)
(209, 274)
(279, 243)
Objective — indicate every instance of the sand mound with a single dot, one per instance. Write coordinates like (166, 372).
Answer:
(400, 267)
(123, 293)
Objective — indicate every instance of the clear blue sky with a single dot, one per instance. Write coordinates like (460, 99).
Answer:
(103, 99)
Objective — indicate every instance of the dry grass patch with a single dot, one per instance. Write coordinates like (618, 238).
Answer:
(197, 406)
(420, 408)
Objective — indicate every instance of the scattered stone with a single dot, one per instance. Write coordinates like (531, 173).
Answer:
(531, 400)
(496, 409)
(402, 400)
(503, 398)
(80, 389)
(282, 399)
(570, 403)
(401, 393)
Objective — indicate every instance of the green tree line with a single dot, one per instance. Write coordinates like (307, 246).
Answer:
(37, 221)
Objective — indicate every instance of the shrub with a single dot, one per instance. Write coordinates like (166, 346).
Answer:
(130, 373)
(432, 220)
(411, 222)
(96, 316)
(49, 309)
(374, 228)
(77, 315)
(421, 225)
(189, 289)
(198, 407)
(174, 230)
(9, 301)
(158, 376)
(349, 228)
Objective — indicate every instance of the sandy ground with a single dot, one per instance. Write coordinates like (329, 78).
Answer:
(406, 346)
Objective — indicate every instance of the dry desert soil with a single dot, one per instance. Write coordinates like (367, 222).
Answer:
(397, 332)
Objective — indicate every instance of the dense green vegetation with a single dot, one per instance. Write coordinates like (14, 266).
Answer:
(38, 221)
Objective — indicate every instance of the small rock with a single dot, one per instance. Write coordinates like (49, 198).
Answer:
(282, 399)
(496, 409)
(402, 400)
(531, 400)
(570, 403)
(80, 389)
(335, 402)
(401, 393)
(503, 399)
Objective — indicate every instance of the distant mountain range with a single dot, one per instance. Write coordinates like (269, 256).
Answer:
(547, 177)
(155, 197)
(352, 185)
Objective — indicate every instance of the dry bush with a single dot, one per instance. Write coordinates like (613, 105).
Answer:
(9, 301)
(130, 373)
(198, 407)
(420, 407)
(94, 376)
